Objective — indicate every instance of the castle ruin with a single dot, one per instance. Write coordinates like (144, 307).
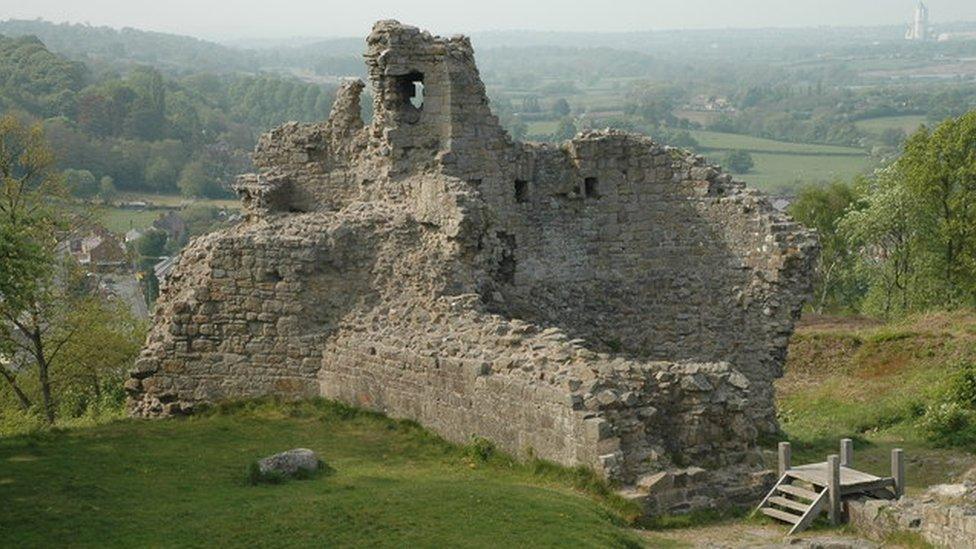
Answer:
(607, 302)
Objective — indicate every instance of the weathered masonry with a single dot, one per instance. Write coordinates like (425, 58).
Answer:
(609, 301)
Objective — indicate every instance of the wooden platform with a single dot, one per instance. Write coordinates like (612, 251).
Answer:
(852, 481)
(803, 492)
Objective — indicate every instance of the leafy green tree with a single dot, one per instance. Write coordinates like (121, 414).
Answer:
(81, 183)
(161, 175)
(565, 130)
(106, 189)
(822, 208)
(738, 161)
(152, 244)
(29, 225)
(200, 219)
(560, 108)
(882, 234)
(195, 181)
(940, 176)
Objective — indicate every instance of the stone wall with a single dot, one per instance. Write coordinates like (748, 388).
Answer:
(609, 302)
(944, 515)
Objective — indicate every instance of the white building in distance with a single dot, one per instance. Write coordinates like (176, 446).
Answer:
(919, 29)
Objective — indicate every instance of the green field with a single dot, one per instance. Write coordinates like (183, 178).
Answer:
(175, 200)
(542, 127)
(782, 166)
(726, 141)
(877, 125)
(120, 220)
(182, 483)
(779, 172)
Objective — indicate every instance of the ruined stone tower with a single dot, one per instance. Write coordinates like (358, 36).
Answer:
(608, 302)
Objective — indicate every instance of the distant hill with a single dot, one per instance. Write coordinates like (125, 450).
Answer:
(167, 52)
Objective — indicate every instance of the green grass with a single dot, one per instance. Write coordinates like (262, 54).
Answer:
(542, 127)
(175, 200)
(875, 126)
(729, 141)
(119, 220)
(184, 483)
(774, 172)
(783, 166)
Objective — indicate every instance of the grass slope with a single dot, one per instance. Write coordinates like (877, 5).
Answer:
(182, 483)
(856, 378)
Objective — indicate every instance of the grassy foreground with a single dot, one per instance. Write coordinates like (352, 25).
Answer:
(183, 483)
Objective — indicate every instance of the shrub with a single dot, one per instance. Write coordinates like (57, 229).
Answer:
(480, 449)
(962, 386)
(949, 424)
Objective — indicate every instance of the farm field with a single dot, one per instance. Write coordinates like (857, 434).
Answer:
(781, 166)
(875, 126)
(785, 172)
(120, 220)
(728, 141)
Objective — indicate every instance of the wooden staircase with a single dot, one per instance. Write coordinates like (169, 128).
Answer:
(803, 492)
(794, 504)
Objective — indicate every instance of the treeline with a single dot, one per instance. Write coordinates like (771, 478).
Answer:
(145, 131)
(904, 240)
(120, 47)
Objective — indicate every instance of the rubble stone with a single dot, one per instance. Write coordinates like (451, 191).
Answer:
(290, 463)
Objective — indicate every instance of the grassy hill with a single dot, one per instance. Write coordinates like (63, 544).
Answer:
(884, 385)
(183, 483)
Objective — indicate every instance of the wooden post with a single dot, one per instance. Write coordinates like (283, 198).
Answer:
(898, 471)
(847, 452)
(833, 485)
(784, 458)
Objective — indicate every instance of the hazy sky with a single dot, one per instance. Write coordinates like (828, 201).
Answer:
(221, 19)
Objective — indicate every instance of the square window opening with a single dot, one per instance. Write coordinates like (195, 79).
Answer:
(590, 189)
(521, 191)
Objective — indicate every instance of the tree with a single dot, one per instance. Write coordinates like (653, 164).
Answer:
(152, 244)
(939, 169)
(822, 208)
(54, 329)
(738, 161)
(881, 233)
(565, 130)
(29, 224)
(161, 175)
(106, 189)
(81, 183)
(560, 108)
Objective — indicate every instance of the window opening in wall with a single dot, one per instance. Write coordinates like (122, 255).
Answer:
(521, 190)
(418, 93)
(590, 188)
(506, 266)
(410, 88)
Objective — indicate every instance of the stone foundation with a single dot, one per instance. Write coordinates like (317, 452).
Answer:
(608, 302)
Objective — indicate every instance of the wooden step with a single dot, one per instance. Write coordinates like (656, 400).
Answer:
(781, 515)
(797, 491)
(790, 504)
